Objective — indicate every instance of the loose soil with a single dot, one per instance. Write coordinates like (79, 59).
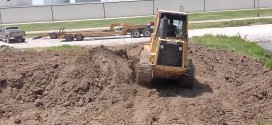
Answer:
(97, 87)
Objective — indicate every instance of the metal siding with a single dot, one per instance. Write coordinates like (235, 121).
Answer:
(29, 14)
(172, 5)
(193, 5)
(215, 5)
(265, 3)
(77, 12)
(52, 2)
(124, 9)
(24, 2)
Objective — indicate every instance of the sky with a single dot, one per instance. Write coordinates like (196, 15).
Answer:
(37, 2)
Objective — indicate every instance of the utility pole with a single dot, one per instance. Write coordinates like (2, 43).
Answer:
(204, 5)
(258, 12)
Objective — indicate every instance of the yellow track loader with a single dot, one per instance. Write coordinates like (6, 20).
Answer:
(166, 55)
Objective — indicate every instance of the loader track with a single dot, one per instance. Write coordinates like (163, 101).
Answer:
(145, 69)
(231, 115)
(187, 79)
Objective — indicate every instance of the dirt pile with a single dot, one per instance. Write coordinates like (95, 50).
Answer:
(43, 81)
(242, 86)
(97, 86)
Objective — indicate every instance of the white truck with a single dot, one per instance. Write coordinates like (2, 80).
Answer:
(12, 33)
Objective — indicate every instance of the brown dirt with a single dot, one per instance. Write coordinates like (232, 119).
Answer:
(97, 86)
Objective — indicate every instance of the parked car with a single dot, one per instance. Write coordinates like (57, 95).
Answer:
(12, 33)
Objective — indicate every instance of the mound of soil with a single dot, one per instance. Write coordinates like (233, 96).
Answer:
(97, 86)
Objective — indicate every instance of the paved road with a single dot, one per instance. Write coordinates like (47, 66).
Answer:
(258, 33)
(106, 41)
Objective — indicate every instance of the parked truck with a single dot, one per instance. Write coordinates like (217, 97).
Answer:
(12, 33)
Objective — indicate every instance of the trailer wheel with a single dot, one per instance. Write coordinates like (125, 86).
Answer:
(147, 32)
(79, 37)
(23, 40)
(7, 39)
(53, 35)
(136, 33)
(69, 37)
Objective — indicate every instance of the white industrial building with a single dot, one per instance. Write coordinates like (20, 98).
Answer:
(115, 0)
(82, 1)
(51, 2)
(13, 3)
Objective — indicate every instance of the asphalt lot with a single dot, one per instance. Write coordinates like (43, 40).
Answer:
(47, 42)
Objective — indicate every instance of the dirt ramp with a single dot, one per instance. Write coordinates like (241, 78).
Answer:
(87, 75)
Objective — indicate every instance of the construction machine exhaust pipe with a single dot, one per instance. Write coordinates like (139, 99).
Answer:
(164, 27)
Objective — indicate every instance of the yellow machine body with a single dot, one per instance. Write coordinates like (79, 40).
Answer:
(166, 55)
(162, 71)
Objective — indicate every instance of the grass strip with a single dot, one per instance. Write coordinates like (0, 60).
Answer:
(144, 20)
(236, 44)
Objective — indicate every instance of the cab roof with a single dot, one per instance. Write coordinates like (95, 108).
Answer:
(175, 12)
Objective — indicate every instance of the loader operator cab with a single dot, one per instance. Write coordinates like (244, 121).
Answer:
(172, 25)
(172, 29)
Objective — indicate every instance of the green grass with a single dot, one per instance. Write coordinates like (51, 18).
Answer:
(61, 48)
(208, 25)
(263, 123)
(8, 49)
(236, 44)
(228, 14)
(230, 23)
(49, 49)
(30, 50)
(143, 20)
(32, 35)
(82, 24)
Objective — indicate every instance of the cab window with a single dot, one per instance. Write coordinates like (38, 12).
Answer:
(179, 25)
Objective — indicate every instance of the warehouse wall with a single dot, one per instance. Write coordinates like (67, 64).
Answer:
(78, 11)
(132, 8)
(265, 3)
(173, 5)
(214, 5)
(119, 9)
(26, 14)
(179, 5)
(193, 5)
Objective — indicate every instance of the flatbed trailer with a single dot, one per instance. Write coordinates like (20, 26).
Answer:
(135, 31)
